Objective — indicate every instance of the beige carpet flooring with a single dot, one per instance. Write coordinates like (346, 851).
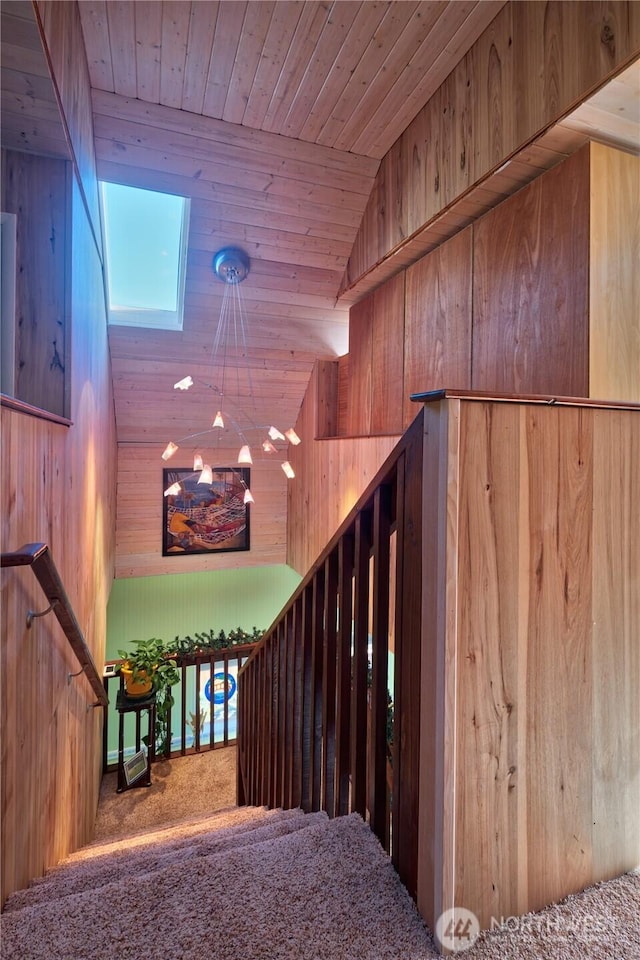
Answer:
(257, 884)
(182, 789)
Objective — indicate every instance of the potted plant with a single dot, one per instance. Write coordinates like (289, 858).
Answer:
(147, 668)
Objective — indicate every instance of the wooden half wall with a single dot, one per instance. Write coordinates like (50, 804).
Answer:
(530, 732)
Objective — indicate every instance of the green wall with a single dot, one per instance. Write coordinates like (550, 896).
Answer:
(175, 605)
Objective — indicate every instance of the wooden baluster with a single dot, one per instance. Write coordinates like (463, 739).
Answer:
(317, 637)
(225, 668)
(197, 711)
(379, 811)
(183, 710)
(280, 706)
(167, 750)
(266, 680)
(360, 664)
(406, 695)
(307, 698)
(259, 732)
(242, 796)
(288, 733)
(296, 732)
(329, 683)
(343, 672)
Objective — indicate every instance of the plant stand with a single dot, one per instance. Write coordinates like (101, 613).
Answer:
(137, 705)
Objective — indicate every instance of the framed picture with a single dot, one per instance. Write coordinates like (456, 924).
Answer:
(205, 518)
(135, 767)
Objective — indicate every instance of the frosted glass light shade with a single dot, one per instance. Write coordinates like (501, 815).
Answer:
(183, 384)
(292, 436)
(169, 450)
(275, 434)
(207, 474)
(288, 469)
(173, 489)
(248, 498)
(268, 447)
(198, 462)
(245, 455)
(218, 422)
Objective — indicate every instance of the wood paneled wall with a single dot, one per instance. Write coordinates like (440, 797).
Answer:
(534, 620)
(62, 35)
(531, 287)
(540, 295)
(614, 277)
(533, 63)
(330, 476)
(437, 334)
(140, 504)
(59, 487)
(376, 361)
(37, 189)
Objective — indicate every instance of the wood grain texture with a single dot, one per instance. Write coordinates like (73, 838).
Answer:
(530, 643)
(140, 503)
(615, 659)
(63, 41)
(330, 476)
(614, 278)
(60, 488)
(530, 287)
(387, 357)
(437, 340)
(30, 117)
(530, 66)
(339, 74)
(359, 395)
(37, 190)
(376, 362)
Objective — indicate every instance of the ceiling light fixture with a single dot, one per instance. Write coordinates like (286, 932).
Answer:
(231, 266)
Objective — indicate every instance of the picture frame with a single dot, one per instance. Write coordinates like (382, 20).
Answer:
(205, 518)
(135, 767)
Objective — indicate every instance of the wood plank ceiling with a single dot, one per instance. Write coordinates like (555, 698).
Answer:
(272, 117)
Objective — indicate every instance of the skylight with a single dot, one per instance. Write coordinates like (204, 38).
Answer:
(145, 235)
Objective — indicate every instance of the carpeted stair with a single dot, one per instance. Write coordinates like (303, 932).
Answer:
(255, 884)
(244, 884)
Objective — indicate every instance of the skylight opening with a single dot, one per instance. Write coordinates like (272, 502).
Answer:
(145, 239)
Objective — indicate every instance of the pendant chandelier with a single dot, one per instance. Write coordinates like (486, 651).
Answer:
(231, 266)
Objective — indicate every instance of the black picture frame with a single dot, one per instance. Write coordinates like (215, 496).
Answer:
(205, 518)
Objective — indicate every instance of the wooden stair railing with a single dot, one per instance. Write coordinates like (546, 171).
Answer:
(314, 707)
(38, 557)
(205, 734)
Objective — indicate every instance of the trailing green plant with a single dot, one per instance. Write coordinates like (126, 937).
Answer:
(153, 658)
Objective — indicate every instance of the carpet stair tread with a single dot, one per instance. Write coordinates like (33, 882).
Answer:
(175, 836)
(68, 880)
(229, 817)
(291, 890)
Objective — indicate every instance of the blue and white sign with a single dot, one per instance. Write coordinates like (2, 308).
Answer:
(224, 687)
(215, 692)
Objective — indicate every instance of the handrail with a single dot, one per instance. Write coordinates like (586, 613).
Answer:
(38, 557)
